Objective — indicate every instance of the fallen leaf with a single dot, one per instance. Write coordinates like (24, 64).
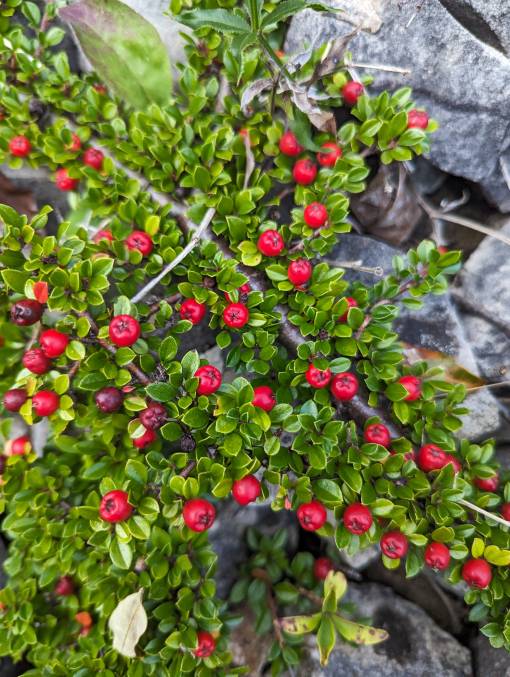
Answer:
(128, 622)
(453, 372)
(21, 200)
(254, 89)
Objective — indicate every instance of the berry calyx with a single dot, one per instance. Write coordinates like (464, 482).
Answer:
(154, 416)
(289, 145)
(103, 235)
(315, 215)
(148, 437)
(351, 303)
(417, 119)
(139, 240)
(312, 515)
(206, 644)
(108, 399)
(317, 378)
(64, 586)
(299, 272)
(413, 386)
(53, 342)
(193, 311)
(377, 433)
(505, 511)
(351, 92)
(63, 181)
(487, 483)
(198, 514)
(437, 556)
(236, 315)
(124, 330)
(477, 573)
(270, 243)
(26, 312)
(394, 544)
(304, 171)
(330, 156)
(93, 157)
(431, 457)
(209, 379)
(14, 399)
(263, 397)
(246, 490)
(357, 518)
(344, 386)
(36, 361)
(19, 146)
(45, 402)
(19, 446)
(115, 506)
(321, 568)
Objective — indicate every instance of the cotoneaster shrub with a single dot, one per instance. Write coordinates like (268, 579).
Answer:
(145, 439)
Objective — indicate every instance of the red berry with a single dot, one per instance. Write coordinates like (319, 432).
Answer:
(321, 568)
(437, 556)
(351, 303)
(505, 511)
(487, 483)
(477, 573)
(193, 311)
(20, 146)
(93, 157)
(431, 457)
(26, 312)
(417, 119)
(457, 466)
(206, 644)
(53, 342)
(394, 544)
(243, 290)
(304, 171)
(148, 437)
(344, 386)
(14, 399)
(413, 386)
(351, 92)
(236, 315)
(63, 181)
(270, 243)
(209, 379)
(299, 272)
(246, 490)
(289, 145)
(108, 399)
(311, 516)
(103, 235)
(64, 586)
(45, 402)
(115, 506)
(329, 158)
(20, 446)
(100, 89)
(124, 330)
(315, 215)
(317, 378)
(357, 518)
(36, 361)
(198, 514)
(140, 241)
(154, 416)
(377, 433)
(75, 144)
(263, 397)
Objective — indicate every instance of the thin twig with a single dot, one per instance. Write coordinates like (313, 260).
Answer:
(195, 239)
(188, 469)
(380, 67)
(486, 513)
(250, 160)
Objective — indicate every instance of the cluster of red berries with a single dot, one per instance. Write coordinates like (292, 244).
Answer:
(343, 386)
(138, 240)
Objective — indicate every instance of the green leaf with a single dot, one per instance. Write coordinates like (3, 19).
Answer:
(283, 10)
(196, 418)
(161, 392)
(221, 20)
(326, 637)
(335, 583)
(124, 49)
(15, 279)
(121, 554)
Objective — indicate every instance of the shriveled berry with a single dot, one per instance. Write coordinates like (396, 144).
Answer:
(270, 243)
(351, 303)
(45, 402)
(141, 241)
(53, 342)
(299, 272)
(344, 386)
(19, 146)
(321, 568)
(206, 644)
(394, 544)
(263, 397)
(304, 171)
(124, 330)
(26, 312)
(289, 145)
(377, 433)
(315, 215)
(154, 416)
(437, 556)
(417, 119)
(193, 311)
(36, 361)
(357, 518)
(351, 92)
(246, 490)
(209, 379)
(236, 315)
(312, 516)
(332, 152)
(63, 181)
(198, 514)
(317, 378)
(477, 573)
(115, 506)
(413, 386)
(109, 399)
(93, 157)
(14, 399)
(188, 443)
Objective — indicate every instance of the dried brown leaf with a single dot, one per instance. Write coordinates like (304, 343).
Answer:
(453, 372)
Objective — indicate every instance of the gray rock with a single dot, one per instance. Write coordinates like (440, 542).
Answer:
(362, 559)
(416, 647)
(489, 662)
(471, 46)
(436, 326)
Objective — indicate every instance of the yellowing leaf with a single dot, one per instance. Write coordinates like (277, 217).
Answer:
(128, 622)
(453, 372)
(358, 633)
(300, 625)
(335, 581)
